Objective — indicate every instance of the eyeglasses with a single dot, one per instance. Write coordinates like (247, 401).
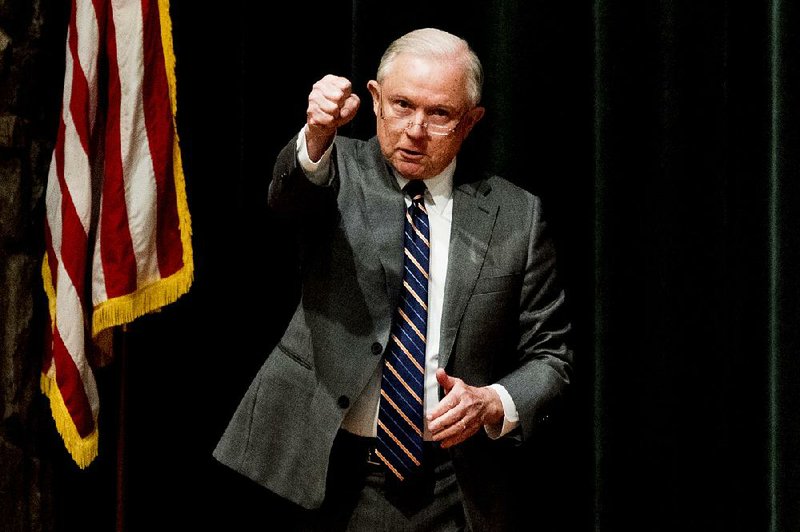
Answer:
(400, 116)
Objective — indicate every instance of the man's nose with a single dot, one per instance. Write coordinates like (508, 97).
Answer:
(417, 128)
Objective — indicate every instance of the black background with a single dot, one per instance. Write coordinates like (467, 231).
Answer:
(662, 137)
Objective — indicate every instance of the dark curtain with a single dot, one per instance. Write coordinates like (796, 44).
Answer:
(663, 138)
(695, 275)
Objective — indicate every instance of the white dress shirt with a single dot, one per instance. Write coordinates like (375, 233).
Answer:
(362, 417)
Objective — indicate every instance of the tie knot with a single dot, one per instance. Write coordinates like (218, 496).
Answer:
(415, 189)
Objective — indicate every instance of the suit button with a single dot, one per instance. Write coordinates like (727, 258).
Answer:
(343, 401)
(376, 348)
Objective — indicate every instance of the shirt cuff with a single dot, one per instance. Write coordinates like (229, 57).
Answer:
(317, 172)
(510, 414)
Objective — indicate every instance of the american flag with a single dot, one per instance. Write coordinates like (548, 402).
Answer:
(118, 230)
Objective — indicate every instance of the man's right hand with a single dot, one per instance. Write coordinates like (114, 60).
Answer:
(331, 104)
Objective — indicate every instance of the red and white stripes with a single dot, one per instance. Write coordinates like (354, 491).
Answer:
(115, 191)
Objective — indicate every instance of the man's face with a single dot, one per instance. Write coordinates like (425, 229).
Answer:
(423, 91)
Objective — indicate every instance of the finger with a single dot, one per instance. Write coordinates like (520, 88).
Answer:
(348, 110)
(330, 93)
(322, 114)
(448, 403)
(456, 410)
(339, 82)
(457, 433)
(333, 91)
(445, 381)
(332, 106)
(330, 86)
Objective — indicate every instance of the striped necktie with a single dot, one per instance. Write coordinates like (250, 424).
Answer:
(400, 423)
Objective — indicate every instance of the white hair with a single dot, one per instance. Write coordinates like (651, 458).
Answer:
(432, 42)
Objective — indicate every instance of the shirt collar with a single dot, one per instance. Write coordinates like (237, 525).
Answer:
(440, 187)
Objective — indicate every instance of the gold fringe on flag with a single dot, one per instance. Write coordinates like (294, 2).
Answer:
(125, 309)
(82, 450)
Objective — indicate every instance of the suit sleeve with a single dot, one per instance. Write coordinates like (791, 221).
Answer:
(540, 381)
(292, 193)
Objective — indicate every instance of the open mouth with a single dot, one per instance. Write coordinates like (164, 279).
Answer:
(411, 155)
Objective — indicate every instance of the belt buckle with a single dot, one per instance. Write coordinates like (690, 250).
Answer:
(372, 459)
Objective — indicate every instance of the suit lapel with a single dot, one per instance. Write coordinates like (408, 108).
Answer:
(384, 207)
(474, 215)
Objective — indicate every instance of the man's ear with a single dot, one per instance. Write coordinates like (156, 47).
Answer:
(473, 117)
(375, 91)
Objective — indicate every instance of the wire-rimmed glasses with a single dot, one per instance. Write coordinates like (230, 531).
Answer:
(400, 116)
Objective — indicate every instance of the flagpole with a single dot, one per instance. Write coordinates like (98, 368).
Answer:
(121, 351)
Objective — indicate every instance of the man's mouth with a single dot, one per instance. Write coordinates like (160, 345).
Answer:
(410, 154)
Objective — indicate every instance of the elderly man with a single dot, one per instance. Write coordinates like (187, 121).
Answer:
(430, 341)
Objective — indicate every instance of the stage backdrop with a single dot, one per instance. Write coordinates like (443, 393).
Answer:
(663, 139)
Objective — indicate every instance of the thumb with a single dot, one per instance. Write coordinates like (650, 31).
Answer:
(348, 109)
(445, 381)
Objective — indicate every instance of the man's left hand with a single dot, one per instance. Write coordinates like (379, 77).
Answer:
(463, 411)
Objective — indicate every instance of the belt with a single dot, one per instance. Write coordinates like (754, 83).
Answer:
(362, 450)
(414, 493)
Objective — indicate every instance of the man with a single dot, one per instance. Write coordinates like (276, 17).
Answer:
(481, 307)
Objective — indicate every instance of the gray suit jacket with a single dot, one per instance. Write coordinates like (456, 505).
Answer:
(503, 321)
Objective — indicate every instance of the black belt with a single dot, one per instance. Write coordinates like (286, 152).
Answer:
(362, 450)
(354, 459)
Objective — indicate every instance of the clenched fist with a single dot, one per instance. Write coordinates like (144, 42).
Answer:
(331, 104)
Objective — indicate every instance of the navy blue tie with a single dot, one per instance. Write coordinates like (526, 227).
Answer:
(400, 422)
